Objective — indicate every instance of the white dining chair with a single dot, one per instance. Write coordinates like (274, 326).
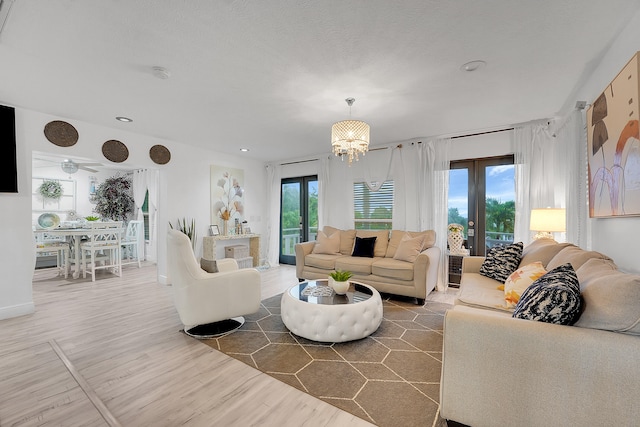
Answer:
(133, 243)
(48, 245)
(103, 245)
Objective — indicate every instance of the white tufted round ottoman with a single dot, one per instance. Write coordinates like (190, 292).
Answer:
(330, 317)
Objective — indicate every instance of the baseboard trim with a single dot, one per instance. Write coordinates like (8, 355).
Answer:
(163, 280)
(16, 310)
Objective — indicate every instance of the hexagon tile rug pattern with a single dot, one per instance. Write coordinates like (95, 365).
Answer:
(390, 378)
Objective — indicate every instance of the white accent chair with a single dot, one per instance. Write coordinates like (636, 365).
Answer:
(103, 246)
(133, 243)
(209, 304)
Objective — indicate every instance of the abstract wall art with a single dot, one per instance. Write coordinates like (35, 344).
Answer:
(614, 146)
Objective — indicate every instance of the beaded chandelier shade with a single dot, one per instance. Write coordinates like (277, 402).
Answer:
(350, 137)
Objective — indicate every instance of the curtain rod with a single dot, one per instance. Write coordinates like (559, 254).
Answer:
(482, 133)
(299, 161)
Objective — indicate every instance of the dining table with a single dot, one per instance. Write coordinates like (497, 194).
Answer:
(75, 235)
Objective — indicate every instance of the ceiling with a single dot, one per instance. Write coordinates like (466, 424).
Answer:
(272, 75)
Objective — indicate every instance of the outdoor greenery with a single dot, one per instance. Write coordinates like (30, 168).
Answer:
(291, 207)
(114, 198)
(499, 216)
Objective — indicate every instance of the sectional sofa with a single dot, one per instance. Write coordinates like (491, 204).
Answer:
(499, 370)
(398, 262)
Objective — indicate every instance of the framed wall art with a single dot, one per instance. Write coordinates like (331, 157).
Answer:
(613, 147)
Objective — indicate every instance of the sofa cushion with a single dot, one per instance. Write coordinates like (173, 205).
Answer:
(429, 240)
(327, 244)
(611, 298)
(323, 261)
(553, 298)
(520, 280)
(364, 247)
(346, 238)
(409, 248)
(501, 261)
(575, 256)
(542, 250)
(480, 291)
(382, 240)
(356, 265)
(393, 268)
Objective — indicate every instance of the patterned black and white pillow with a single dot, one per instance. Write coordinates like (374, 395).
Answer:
(501, 261)
(553, 298)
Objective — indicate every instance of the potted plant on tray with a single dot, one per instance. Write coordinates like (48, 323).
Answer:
(339, 281)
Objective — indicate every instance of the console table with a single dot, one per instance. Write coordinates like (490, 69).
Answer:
(209, 246)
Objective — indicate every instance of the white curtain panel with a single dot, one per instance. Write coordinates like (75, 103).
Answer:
(139, 184)
(434, 191)
(272, 235)
(152, 178)
(571, 139)
(324, 185)
(534, 153)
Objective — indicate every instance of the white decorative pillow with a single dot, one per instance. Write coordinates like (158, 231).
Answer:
(327, 244)
(520, 280)
(409, 248)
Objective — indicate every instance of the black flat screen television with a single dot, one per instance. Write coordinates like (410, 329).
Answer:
(8, 160)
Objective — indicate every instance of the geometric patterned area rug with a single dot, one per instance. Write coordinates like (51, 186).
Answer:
(391, 378)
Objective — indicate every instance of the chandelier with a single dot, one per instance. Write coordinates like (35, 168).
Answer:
(350, 137)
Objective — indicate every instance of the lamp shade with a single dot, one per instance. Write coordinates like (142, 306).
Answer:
(550, 219)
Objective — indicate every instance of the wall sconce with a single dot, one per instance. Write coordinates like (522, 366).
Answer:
(547, 221)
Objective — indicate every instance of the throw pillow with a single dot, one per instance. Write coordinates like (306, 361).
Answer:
(409, 248)
(364, 247)
(553, 298)
(501, 261)
(327, 244)
(520, 280)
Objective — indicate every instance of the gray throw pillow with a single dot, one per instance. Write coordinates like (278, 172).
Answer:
(501, 261)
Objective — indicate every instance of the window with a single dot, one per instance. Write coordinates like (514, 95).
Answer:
(373, 209)
(145, 215)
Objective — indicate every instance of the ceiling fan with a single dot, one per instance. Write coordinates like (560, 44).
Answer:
(69, 166)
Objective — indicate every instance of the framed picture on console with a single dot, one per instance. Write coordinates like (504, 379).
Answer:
(214, 230)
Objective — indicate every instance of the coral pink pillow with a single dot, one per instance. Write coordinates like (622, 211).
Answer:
(520, 280)
(329, 245)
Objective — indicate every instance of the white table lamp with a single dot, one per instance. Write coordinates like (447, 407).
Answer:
(547, 221)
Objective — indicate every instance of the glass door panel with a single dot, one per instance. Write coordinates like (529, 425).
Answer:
(500, 205)
(298, 214)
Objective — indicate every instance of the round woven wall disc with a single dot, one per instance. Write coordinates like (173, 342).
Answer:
(61, 133)
(115, 151)
(160, 154)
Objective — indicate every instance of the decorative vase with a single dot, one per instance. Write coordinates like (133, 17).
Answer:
(455, 240)
(225, 227)
(339, 288)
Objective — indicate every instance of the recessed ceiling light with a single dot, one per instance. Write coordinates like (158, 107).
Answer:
(472, 65)
(244, 150)
(124, 119)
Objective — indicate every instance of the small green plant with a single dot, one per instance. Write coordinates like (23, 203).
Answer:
(341, 276)
(91, 218)
(188, 229)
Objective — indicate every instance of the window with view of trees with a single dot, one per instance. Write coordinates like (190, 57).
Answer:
(373, 209)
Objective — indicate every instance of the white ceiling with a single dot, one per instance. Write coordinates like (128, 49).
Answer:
(272, 75)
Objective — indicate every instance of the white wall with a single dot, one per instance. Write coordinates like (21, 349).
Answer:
(614, 237)
(184, 192)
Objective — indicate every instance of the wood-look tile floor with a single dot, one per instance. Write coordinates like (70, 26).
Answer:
(111, 352)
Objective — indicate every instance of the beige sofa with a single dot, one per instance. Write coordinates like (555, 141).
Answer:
(501, 371)
(383, 272)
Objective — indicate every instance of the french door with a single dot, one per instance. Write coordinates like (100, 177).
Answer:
(298, 214)
(482, 199)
